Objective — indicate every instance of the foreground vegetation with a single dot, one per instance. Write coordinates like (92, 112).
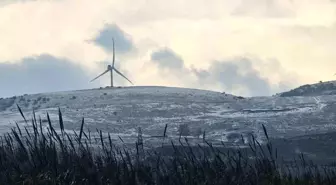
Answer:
(31, 155)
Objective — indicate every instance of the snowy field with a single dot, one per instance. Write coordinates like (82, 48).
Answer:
(224, 117)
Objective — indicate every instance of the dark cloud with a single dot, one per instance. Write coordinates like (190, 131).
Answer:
(167, 58)
(43, 73)
(235, 74)
(123, 42)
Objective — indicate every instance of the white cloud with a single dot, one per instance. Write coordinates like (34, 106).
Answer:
(265, 8)
(56, 27)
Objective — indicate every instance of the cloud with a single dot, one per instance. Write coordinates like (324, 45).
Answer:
(242, 75)
(167, 58)
(123, 41)
(170, 67)
(265, 8)
(7, 2)
(235, 75)
(62, 29)
(43, 73)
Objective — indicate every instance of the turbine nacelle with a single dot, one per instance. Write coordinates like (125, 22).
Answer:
(109, 67)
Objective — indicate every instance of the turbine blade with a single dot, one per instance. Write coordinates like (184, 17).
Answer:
(100, 75)
(113, 60)
(122, 75)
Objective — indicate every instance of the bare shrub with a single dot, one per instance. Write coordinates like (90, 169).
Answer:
(184, 130)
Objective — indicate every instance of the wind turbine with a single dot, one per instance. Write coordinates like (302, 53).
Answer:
(111, 69)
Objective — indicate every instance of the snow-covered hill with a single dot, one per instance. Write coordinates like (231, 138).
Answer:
(118, 110)
(321, 88)
(224, 117)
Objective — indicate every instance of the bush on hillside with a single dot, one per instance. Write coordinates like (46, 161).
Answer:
(184, 130)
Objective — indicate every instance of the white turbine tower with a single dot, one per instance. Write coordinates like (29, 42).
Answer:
(112, 68)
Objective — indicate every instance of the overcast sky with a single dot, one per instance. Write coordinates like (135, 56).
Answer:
(243, 47)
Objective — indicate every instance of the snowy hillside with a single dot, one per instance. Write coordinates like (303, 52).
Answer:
(321, 88)
(223, 117)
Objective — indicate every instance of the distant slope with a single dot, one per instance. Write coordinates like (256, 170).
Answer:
(105, 96)
(318, 89)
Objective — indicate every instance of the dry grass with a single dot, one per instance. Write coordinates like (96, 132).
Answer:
(34, 156)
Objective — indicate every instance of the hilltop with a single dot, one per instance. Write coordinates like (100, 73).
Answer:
(317, 89)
